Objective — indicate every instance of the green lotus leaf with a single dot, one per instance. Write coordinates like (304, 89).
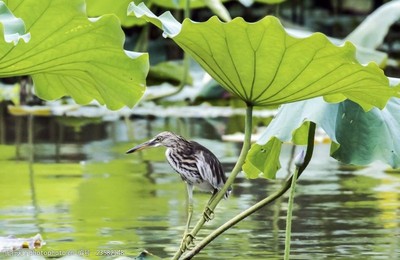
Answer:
(181, 4)
(249, 3)
(69, 54)
(215, 6)
(263, 65)
(358, 137)
(372, 31)
(258, 155)
(97, 8)
(13, 28)
(167, 71)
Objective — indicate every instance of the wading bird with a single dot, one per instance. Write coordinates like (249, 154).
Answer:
(197, 166)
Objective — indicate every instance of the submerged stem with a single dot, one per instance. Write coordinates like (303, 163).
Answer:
(260, 204)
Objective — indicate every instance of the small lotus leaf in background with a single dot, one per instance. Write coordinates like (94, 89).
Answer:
(264, 160)
(372, 31)
(71, 55)
(219, 9)
(249, 3)
(215, 6)
(11, 27)
(168, 71)
(263, 65)
(97, 8)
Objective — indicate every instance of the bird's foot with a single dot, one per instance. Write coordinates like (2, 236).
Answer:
(208, 214)
(187, 242)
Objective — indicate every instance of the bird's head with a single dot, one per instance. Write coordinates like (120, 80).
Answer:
(167, 139)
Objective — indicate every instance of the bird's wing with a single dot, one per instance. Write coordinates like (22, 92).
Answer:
(209, 167)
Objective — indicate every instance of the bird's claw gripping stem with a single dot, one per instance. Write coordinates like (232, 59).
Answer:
(187, 242)
(208, 214)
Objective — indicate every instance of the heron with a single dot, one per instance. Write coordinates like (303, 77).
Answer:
(197, 166)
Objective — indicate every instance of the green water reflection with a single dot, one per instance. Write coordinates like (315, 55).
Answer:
(91, 196)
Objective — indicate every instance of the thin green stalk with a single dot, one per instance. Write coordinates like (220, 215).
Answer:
(289, 215)
(260, 204)
(242, 156)
(300, 166)
(185, 64)
(142, 42)
(232, 176)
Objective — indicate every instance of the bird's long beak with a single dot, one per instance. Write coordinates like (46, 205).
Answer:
(142, 146)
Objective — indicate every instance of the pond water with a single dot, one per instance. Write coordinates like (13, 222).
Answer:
(83, 193)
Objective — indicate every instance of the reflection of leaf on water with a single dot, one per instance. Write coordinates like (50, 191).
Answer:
(78, 122)
(359, 184)
(7, 152)
(112, 191)
(54, 183)
(115, 167)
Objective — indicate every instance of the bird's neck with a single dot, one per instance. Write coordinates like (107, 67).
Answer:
(183, 145)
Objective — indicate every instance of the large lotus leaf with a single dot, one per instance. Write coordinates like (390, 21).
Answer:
(11, 28)
(97, 8)
(358, 137)
(263, 65)
(71, 55)
(364, 55)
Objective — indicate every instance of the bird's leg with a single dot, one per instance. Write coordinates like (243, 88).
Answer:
(208, 213)
(187, 239)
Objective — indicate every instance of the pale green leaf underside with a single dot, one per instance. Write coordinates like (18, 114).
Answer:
(263, 65)
(372, 31)
(363, 137)
(12, 28)
(71, 55)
